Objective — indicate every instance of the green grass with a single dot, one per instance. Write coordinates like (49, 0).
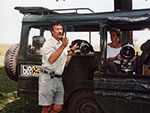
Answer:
(9, 104)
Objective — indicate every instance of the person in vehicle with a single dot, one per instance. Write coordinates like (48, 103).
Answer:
(114, 58)
(113, 51)
(37, 43)
(54, 59)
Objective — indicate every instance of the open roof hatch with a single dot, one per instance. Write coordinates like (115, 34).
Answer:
(34, 10)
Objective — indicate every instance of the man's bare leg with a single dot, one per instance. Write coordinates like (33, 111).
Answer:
(56, 108)
(46, 109)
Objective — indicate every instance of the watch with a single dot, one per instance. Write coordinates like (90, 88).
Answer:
(72, 50)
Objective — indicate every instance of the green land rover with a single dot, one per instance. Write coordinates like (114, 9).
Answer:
(89, 88)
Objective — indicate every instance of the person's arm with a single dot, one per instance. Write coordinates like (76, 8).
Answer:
(118, 57)
(55, 55)
(111, 59)
(69, 56)
(134, 58)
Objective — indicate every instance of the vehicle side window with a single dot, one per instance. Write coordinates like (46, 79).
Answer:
(94, 40)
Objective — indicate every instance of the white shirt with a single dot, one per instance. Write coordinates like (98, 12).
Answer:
(48, 48)
(113, 52)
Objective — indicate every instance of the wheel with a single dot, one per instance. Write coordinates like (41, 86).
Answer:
(10, 62)
(83, 102)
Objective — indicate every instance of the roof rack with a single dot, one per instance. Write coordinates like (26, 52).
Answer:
(73, 9)
(45, 11)
(35, 10)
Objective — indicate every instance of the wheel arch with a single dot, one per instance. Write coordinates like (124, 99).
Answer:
(76, 92)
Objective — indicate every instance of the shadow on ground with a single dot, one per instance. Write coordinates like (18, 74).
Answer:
(21, 106)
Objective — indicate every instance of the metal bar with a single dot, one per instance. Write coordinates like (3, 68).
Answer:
(76, 9)
(90, 37)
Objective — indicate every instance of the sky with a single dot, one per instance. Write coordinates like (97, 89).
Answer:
(10, 19)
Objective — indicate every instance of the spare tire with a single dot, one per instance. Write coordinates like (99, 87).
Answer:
(10, 62)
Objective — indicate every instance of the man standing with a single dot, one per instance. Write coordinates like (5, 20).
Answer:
(54, 59)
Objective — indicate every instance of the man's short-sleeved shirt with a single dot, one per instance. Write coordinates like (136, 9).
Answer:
(48, 48)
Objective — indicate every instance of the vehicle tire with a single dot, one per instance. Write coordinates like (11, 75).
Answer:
(10, 62)
(83, 102)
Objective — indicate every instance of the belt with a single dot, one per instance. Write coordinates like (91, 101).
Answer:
(52, 74)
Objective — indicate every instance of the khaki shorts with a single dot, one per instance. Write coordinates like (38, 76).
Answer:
(51, 90)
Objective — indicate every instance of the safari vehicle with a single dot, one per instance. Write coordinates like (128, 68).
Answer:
(89, 88)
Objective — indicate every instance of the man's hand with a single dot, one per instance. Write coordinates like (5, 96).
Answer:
(75, 47)
(64, 41)
(69, 56)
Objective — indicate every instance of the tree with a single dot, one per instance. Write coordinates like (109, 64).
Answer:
(124, 5)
